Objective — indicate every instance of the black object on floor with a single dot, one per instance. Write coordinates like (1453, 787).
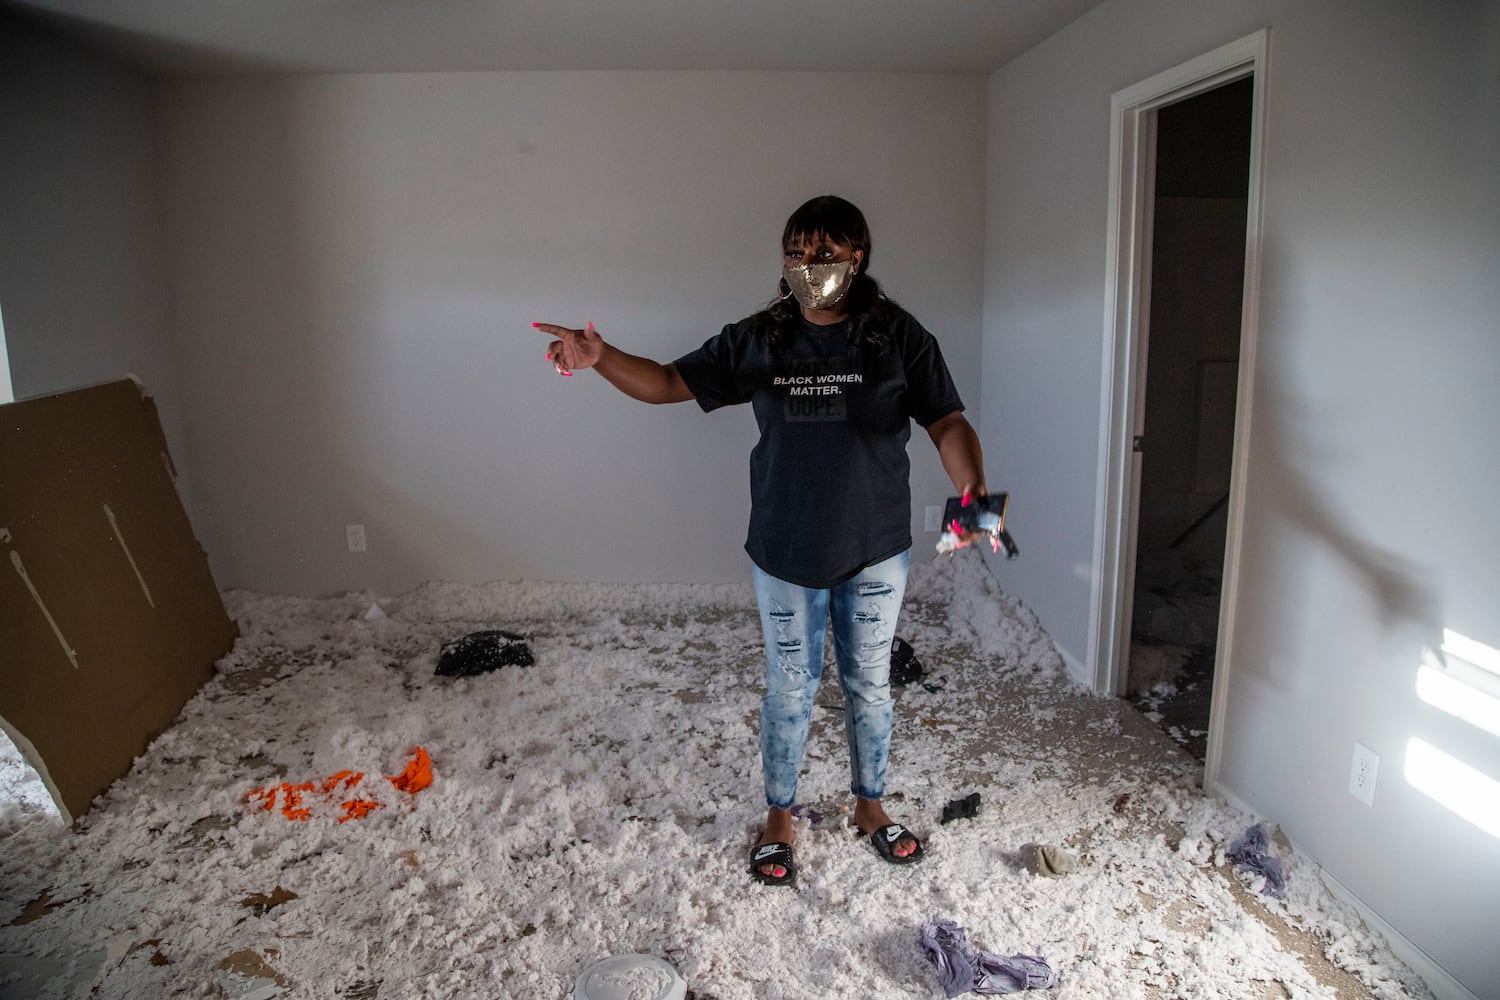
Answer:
(964, 808)
(481, 652)
(905, 667)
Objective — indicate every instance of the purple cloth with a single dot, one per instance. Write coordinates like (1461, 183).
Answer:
(1252, 853)
(963, 968)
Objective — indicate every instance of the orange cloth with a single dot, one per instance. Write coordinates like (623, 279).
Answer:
(416, 776)
(292, 807)
(418, 773)
(358, 809)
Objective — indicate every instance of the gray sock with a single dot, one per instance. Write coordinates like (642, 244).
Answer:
(1048, 860)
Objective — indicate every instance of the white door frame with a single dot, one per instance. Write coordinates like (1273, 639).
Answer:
(1132, 146)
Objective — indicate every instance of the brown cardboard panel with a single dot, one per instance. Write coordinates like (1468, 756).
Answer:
(109, 618)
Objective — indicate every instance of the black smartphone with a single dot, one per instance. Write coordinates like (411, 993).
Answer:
(986, 513)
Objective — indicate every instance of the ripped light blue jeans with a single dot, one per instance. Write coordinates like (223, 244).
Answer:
(794, 621)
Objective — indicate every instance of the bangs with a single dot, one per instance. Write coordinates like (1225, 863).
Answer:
(817, 233)
(830, 218)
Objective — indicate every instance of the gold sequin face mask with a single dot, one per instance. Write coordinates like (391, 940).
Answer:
(820, 286)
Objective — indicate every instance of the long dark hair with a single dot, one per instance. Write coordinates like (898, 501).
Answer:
(870, 312)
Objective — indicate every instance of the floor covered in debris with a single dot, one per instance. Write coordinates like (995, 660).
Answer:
(281, 838)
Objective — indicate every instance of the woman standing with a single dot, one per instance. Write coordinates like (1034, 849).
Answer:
(835, 373)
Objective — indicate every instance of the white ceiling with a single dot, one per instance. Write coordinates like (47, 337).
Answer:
(176, 37)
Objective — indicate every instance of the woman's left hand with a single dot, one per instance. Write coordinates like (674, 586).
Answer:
(975, 534)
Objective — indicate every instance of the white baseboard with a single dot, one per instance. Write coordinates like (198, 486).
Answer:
(1438, 979)
(1075, 666)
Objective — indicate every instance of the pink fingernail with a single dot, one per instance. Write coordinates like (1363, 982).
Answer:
(956, 529)
(536, 324)
(965, 502)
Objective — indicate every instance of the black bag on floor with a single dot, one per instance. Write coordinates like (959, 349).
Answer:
(481, 652)
(905, 667)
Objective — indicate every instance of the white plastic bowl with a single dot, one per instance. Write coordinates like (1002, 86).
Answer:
(630, 977)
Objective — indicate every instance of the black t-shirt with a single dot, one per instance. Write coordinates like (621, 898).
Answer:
(830, 481)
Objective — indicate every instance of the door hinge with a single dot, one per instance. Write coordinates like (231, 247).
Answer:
(1138, 444)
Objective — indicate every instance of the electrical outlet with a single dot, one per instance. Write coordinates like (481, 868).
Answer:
(355, 533)
(934, 518)
(1363, 772)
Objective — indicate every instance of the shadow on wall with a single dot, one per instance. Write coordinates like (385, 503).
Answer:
(1333, 657)
(1352, 629)
(1285, 424)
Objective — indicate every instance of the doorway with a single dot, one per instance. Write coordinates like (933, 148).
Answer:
(1190, 350)
(1201, 480)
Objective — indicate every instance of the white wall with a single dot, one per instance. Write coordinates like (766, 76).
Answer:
(1370, 512)
(82, 281)
(357, 261)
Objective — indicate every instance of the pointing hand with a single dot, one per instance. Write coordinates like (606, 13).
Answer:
(573, 350)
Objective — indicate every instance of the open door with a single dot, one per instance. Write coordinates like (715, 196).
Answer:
(1126, 409)
(1188, 371)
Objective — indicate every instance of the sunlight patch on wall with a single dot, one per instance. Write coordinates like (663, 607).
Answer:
(1455, 785)
(7, 392)
(1471, 653)
(1440, 689)
(1463, 679)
